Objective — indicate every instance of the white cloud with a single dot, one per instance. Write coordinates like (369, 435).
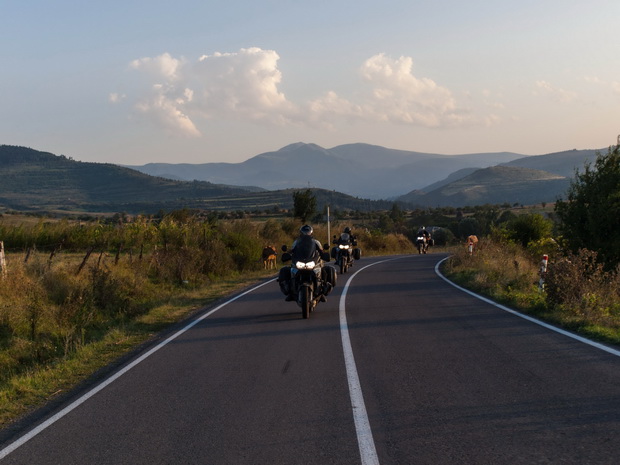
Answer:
(556, 93)
(242, 85)
(245, 85)
(399, 96)
(164, 66)
(167, 113)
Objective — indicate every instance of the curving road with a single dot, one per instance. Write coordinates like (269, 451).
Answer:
(398, 367)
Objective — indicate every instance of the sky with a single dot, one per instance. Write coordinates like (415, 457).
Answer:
(134, 82)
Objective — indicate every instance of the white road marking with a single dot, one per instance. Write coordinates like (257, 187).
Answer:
(527, 317)
(365, 441)
(28, 436)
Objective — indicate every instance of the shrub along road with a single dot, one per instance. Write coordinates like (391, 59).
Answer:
(445, 378)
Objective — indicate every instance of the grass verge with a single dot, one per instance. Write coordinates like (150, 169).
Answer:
(510, 276)
(24, 392)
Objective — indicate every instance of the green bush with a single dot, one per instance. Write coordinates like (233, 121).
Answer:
(578, 285)
(527, 228)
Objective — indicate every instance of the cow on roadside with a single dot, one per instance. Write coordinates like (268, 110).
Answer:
(269, 257)
(471, 243)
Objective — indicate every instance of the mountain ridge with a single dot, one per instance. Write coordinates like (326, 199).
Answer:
(361, 170)
(41, 180)
(494, 185)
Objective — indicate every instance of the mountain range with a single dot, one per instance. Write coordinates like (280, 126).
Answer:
(361, 170)
(353, 176)
(376, 172)
(39, 181)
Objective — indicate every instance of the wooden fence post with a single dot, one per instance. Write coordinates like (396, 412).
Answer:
(2, 260)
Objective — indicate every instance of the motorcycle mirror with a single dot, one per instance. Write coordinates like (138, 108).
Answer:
(284, 248)
(326, 246)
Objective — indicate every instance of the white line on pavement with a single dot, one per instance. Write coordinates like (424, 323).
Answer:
(526, 317)
(28, 436)
(365, 441)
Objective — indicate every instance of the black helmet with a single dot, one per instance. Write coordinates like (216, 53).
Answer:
(347, 230)
(306, 230)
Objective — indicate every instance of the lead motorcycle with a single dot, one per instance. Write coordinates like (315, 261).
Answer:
(306, 280)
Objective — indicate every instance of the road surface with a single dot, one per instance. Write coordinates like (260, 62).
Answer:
(398, 367)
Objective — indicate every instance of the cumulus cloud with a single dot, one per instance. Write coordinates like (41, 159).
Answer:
(167, 112)
(556, 93)
(394, 95)
(399, 96)
(242, 85)
(245, 85)
(163, 66)
(233, 85)
(165, 102)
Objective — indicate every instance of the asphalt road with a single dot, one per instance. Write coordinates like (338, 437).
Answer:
(402, 369)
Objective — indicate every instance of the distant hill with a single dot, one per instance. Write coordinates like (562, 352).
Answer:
(360, 170)
(494, 185)
(35, 180)
(41, 181)
(562, 163)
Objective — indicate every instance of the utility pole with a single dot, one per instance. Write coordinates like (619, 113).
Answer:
(329, 234)
(2, 260)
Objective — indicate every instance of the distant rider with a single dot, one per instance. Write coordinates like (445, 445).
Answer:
(423, 232)
(346, 238)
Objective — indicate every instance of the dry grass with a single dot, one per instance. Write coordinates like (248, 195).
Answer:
(578, 295)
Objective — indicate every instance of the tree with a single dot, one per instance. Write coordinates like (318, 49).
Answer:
(528, 228)
(468, 226)
(304, 205)
(589, 216)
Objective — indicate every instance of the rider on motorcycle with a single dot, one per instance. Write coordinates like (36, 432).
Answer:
(423, 232)
(306, 231)
(347, 235)
(345, 238)
(302, 244)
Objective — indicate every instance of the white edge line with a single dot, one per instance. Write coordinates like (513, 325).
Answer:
(365, 441)
(527, 317)
(32, 433)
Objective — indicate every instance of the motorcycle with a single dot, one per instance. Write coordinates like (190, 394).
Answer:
(421, 244)
(344, 252)
(306, 278)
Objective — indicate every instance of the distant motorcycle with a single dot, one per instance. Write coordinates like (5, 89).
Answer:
(345, 252)
(306, 278)
(421, 244)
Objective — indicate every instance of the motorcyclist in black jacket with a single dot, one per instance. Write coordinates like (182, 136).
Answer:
(300, 245)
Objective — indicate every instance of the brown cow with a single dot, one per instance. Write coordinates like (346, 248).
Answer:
(269, 257)
(471, 243)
